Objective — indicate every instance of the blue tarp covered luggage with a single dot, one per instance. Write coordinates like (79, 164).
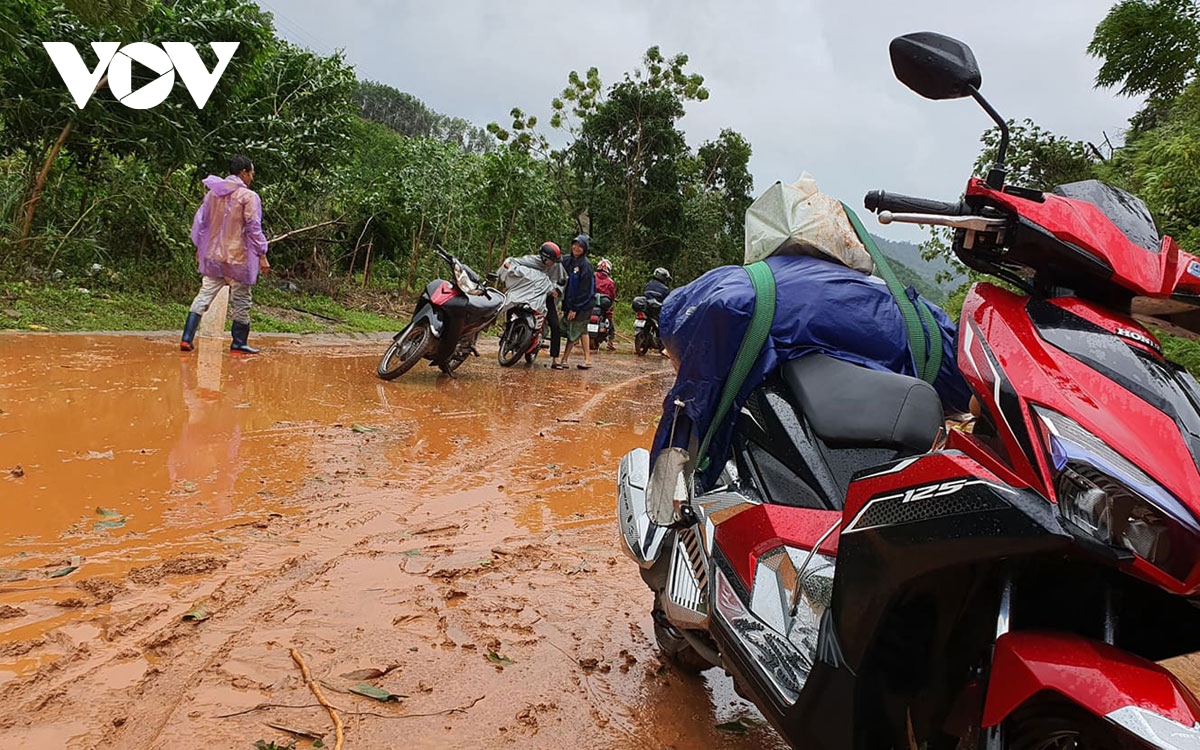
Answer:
(821, 307)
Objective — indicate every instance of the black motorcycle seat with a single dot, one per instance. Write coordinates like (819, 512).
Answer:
(849, 405)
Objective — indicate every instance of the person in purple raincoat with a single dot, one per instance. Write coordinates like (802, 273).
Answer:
(230, 249)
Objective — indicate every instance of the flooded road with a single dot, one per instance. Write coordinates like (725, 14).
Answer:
(175, 524)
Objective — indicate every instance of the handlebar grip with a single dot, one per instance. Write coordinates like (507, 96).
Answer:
(878, 200)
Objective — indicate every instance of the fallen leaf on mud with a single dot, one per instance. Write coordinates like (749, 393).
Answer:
(740, 726)
(12, 575)
(305, 733)
(413, 552)
(497, 659)
(76, 561)
(433, 529)
(107, 512)
(113, 524)
(363, 428)
(605, 424)
(93, 455)
(582, 567)
(359, 675)
(377, 693)
(16, 472)
(199, 613)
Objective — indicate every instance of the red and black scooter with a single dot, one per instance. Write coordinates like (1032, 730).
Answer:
(1013, 586)
(446, 323)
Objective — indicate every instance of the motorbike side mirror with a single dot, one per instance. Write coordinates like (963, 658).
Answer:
(935, 66)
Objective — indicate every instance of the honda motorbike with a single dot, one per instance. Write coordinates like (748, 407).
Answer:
(446, 323)
(645, 325)
(522, 335)
(600, 327)
(871, 580)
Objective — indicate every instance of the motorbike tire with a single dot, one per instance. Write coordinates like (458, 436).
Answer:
(405, 351)
(1056, 723)
(675, 648)
(641, 343)
(510, 350)
(530, 357)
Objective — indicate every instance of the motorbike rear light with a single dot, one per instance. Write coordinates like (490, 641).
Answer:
(1107, 497)
(641, 316)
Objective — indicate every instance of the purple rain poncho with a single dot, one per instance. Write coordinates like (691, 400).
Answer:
(227, 230)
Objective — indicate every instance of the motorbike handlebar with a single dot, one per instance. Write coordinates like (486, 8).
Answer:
(878, 200)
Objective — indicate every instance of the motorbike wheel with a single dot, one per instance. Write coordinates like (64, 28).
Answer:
(405, 351)
(641, 343)
(510, 343)
(675, 647)
(1058, 725)
(461, 353)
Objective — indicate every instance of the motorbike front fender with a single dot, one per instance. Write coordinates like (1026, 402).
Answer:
(1133, 693)
(643, 538)
(427, 312)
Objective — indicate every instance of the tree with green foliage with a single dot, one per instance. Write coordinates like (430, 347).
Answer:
(1148, 47)
(628, 176)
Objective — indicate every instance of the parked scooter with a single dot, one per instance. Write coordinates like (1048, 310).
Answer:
(522, 335)
(1013, 586)
(645, 325)
(600, 328)
(446, 322)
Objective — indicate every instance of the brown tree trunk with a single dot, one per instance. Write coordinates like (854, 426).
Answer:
(36, 194)
(512, 221)
(367, 262)
(412, 260)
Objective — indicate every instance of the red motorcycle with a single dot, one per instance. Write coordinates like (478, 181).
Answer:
(1013, 586)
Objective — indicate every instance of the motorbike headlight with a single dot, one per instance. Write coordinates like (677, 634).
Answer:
(463, 279)
(1106, 496)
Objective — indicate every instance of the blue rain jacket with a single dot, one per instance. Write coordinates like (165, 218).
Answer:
(821, 307)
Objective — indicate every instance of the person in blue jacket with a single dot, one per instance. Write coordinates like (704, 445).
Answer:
(821, 307)
(578, 299)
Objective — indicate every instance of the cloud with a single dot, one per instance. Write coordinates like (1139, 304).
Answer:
(807, 82)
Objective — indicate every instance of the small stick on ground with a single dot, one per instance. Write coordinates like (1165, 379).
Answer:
(333, 714)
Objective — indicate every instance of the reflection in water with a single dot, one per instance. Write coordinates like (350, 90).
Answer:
(179, 444)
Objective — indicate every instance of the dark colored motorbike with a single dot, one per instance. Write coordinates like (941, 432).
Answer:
(645, 324)
(872, 581)
(522, 336)
(446, 322)
(600, 327)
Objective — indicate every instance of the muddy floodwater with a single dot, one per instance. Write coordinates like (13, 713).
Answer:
(174, 525)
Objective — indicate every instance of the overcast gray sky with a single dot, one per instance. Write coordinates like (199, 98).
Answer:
(807, 82)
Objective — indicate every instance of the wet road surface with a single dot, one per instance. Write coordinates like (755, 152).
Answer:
(450, 541)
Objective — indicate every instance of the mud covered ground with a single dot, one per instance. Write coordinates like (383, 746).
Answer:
(175, 524)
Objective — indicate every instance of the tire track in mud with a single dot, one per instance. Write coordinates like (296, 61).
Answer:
(479, 584)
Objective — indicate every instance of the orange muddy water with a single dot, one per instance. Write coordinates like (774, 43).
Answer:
(174, 525)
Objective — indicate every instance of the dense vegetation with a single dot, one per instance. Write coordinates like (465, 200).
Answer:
(359, 180)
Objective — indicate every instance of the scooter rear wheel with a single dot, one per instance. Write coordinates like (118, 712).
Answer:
(405, 351)
(641, 343)
(675, 647)
(1058, 725)
(513, 343)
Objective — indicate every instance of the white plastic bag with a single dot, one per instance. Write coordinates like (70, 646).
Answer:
(798, 219)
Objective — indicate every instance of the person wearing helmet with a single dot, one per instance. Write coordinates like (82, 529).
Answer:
(657, 287)
(578, 298)
(606, 286)
(535, 279)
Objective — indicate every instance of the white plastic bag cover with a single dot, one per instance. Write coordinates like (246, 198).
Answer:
(798, 219)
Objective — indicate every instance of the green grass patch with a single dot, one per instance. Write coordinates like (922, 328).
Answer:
(52, 306)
